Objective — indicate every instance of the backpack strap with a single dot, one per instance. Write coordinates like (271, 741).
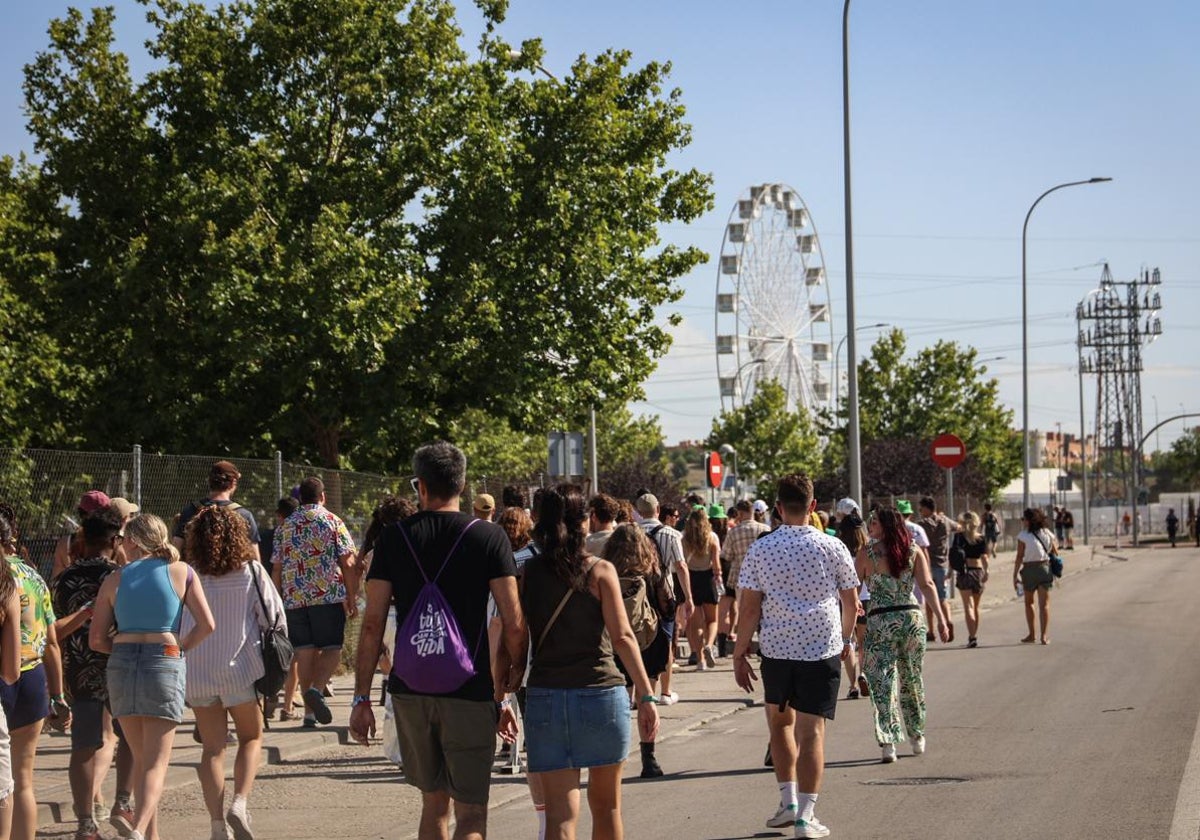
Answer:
(417, 559)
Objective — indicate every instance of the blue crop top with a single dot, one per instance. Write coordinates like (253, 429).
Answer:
(146, 599)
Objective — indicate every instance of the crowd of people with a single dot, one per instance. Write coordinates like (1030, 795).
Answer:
(569, 609)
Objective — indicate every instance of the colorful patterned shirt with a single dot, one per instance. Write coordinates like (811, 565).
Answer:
(37, 613)
(308, 546)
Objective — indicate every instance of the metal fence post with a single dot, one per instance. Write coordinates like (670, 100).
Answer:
(278, 474)
(137, 474)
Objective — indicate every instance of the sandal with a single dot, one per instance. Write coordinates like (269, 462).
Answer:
(1028, 640)
(852, 694)
(287, 714)
(864, 688)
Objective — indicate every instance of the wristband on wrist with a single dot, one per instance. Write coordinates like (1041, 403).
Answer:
(360, 698)
(503, 704)
(60, 699)
(649, 698)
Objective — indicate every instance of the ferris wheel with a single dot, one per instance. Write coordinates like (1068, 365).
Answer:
(773, 319)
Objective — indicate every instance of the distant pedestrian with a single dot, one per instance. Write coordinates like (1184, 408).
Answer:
(221, 672)
(1058, 524)
(1068, 526)
(1035, 544)
(938, 527)
(143, 604)
(513, 496)
(991, 528)
(659, 525)
(223, 478)
(284, 508)
(792, 582)
(484, 506)
(974, 576)
(852, 531)
(895, 643)
(448, 711)
(702, 554)
(602, 518)
(744, 532)
(313, 567)
(1172, 526)
(93, 501)
(577, 706)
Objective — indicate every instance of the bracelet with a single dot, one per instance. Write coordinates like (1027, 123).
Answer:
(503, 704)
(60, 699)
(359, 699)
(649, 698)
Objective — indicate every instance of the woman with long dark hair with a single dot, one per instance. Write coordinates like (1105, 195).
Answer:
(893, 568)
(577, 622)
(221, 672)
(1035, 544)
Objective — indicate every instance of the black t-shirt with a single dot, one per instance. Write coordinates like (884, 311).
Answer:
(84, 670)
(192, 508)
(484, 554)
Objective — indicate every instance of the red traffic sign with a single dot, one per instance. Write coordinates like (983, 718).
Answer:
(713, 469)
(947, 451)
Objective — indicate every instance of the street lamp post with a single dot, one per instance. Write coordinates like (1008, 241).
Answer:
(837, 355)
(727, 449)
(853, 444)
(1025, 331)
(1083, 464)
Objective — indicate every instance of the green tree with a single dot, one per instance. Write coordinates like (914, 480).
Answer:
(494, 450)
(337, 233)
(940, 389)
(770, 440)
(1178, 469)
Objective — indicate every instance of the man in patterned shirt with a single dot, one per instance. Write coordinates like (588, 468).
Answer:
(737, 542)
(313, 567)
(792, 583)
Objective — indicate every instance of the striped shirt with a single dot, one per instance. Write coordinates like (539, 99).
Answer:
(230, 660)
(669, 543)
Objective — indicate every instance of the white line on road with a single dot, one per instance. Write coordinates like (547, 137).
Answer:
(1186, 823)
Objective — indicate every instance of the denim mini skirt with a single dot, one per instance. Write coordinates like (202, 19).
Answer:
(146, 679)
(567, 728)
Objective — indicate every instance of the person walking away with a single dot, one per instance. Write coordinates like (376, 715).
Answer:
(602, 516)
(439, 567)
(895, 643)
(37, 693)
(69, 547)
(1068, 527)
(1058, 524)
(991, 528)
(484, 506)
(938, 527)
(792, 582)
(702, 553)
(313, 568)
(745, 531)
(10, 672)
(137, 621)
(284, 508)
(1035, 544)
(577, 707)
(852, 531)
(669, 544)
(223, 479)
(221, 672)
(974, 576)
(633, 556)
(94, 738)
(1172, 526)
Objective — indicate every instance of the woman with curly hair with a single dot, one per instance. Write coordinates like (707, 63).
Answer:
(577, 710)
(893, 568)
(635, 558)
(221, 672)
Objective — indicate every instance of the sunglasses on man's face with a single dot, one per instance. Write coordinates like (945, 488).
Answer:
(415, 482)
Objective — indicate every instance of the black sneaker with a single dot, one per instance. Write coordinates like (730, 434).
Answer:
(315, 703)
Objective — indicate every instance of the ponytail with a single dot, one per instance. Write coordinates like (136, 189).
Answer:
(149, 533)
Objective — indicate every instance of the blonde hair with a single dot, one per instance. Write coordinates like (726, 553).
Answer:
(970, 523)
(149, 533)
(696, 532)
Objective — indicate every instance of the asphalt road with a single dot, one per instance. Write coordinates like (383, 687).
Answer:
(1086, 737)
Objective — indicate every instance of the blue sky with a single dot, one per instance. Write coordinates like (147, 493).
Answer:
(962, 114)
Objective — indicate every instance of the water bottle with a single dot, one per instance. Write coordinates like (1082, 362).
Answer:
(1020, 589)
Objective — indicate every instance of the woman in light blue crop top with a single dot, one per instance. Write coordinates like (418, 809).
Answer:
(137, 618)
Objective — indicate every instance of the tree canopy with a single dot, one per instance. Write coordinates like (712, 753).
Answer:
(320, 226)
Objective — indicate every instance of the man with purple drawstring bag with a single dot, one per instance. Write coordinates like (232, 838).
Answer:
(438, 568)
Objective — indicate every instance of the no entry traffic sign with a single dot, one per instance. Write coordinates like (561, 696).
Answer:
(713, 468)
(947, 451)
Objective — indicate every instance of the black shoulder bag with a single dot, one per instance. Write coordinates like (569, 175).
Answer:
(277, 650)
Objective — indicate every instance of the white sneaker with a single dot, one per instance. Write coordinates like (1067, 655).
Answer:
(701, 665)
(810, 828)
(785, 816)
(668, 699)
(239, 820)
(710, 656)
(889, 753)
(919, 745)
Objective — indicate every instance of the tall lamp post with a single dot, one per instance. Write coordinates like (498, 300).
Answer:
(853, 444)
(1025, 332)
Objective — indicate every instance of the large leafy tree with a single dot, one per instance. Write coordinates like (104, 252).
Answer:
(771, 440)
(907, 401)
(1178, 469)
(320, 226)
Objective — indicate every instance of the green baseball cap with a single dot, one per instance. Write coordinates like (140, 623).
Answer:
(904, 506)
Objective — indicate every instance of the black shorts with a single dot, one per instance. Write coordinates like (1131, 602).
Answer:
(808, 687)
(27, 700)
(321, 626)
(703, 587)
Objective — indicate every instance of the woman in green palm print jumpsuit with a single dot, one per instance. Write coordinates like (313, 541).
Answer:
(894, 650)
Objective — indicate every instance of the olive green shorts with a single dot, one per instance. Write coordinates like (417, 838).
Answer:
(447, 744)
(1034, 575)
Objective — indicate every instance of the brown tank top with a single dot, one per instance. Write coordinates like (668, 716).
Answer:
(577, 652)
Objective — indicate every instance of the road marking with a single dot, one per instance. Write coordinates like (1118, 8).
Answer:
(1186, 823)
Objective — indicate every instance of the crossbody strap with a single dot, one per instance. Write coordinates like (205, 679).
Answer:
(558, 610)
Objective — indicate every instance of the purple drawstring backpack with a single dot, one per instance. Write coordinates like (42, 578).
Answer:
(431, 655)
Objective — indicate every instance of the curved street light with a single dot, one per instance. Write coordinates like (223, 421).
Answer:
(1025, 333)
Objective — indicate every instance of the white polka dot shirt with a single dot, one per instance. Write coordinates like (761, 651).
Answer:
(799, 571)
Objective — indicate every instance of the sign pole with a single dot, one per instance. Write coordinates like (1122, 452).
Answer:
(950, 493)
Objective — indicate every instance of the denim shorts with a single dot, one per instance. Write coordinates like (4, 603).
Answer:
(568, 728)
(146, 680)
(941, 583)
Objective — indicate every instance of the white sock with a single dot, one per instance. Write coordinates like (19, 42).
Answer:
(238, 805)
(808, 804)
(788, 794)
(541, 818)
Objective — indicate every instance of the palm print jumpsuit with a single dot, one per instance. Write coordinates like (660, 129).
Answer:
(894, 649)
